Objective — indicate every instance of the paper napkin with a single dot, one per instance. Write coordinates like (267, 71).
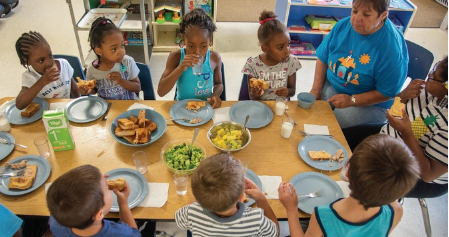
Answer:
(157, 195)
(270, 186)
(139, 106)
(221, 114)
(54, 106)
(316, 129)
(5, 105)
(344, 187)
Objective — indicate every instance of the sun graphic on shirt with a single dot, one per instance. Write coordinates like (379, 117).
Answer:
(364, 59)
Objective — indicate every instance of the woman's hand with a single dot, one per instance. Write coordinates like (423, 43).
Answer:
(287, 195)
(282, 91)
(401, 125)
(115, 76)
(252, 190)
(216, 101)
(340, 101)
(413, 90)
(52, 74)
(189, 60)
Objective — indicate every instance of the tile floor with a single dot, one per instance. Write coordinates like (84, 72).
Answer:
(235, 42)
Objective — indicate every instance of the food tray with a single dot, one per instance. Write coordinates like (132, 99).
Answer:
(115, 15)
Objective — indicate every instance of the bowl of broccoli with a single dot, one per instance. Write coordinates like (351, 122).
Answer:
(175, 155)
(228, 136)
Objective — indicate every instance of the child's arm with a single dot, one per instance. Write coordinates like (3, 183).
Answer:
(131, 85)
(398, 211)
(254, 192)
(290, 90)
(412, 90)
(74, 89)
(124, 211)
(218, 83)
(173, 70)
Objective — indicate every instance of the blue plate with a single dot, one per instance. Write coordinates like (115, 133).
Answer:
(43, 171)
(260, 114)
(86, 109)
(253, 177)
(149, 114)
(320, 143)
(14, 117)
(136, 181)
(178, 110)
(309, 182)
(5, 149)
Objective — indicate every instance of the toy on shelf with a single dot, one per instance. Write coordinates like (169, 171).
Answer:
(320, 22)
(167, 10)
(160, 18)
(176, 18)
(178, 37)
(303, 48)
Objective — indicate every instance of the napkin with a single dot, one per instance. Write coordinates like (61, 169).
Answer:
(157, 195)
(47, 185)
(270, 185)
(54, 106)
(221, 114)
(139, 106)
(316, 129)
(344, 187)
(5, 105)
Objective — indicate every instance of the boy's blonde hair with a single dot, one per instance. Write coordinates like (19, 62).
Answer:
(218, 182)
(381, 170)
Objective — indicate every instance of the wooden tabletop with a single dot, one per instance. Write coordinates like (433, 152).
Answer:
(268, 153)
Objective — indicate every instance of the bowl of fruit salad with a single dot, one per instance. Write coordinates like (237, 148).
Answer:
(228, 136)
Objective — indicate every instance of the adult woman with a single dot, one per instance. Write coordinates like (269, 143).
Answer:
(361, 64)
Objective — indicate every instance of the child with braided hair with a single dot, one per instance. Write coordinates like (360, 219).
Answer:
(116, 73)
(196, 30)
(45, 77)
(275, 65)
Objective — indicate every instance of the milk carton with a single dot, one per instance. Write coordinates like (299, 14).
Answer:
(58, 129)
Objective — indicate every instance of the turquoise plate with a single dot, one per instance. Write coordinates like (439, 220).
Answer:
(149, 114)
(260, 114)
(86, 109)
(309, 182)
(321, 143)
(253, 177)
(178, 110)
(5, 149)
(14, 117)
(136, 181)
(43, 171)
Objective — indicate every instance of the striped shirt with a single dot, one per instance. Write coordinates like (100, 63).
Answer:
(245, 222)
(434, 141)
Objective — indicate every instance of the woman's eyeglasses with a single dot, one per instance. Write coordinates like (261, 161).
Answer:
(431, 75)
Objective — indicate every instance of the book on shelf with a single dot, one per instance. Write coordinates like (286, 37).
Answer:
(303, 48)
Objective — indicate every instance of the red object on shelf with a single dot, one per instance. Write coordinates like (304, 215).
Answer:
(303, 48)
(297, 27)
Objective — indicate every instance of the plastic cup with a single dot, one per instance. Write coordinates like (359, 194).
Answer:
(4, 124)
(198, 68)
(287, 127)
(181, 182)
(43, 146)
(140, 160)
(280, 105)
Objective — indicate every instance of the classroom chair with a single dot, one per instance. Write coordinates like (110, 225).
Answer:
(146, 83)
(420, 61)
(223, 94)
(75, 63)
(244, 89)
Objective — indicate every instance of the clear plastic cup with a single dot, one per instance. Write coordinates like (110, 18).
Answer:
(287, 127)
(280, 105)
(198, 68)
(43, 146)
(140, 160)
(181, 182)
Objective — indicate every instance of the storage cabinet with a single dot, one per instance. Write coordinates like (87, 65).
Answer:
(293, 12)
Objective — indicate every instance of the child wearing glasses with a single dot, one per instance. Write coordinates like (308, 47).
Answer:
(196, 30)
(381, 170)
(423, 128)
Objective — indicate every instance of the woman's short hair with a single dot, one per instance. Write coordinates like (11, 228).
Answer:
(381, 170)
(76, 196)
(380, 6)
(218, 182)
(269, 26)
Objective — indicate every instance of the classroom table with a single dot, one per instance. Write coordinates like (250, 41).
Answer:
(268, 153)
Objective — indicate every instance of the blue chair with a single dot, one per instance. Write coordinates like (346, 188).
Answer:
(223, 94)
(244, 89)
(75, 63)
(146, 83)
(420, 61)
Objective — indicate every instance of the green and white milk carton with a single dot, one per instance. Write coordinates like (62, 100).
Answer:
(58, 129)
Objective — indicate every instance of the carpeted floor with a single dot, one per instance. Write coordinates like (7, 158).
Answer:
(429, 14)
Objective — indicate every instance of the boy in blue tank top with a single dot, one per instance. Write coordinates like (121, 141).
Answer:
(380, 171)
(196, 29)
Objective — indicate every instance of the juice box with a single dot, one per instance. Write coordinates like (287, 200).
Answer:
(58, 129)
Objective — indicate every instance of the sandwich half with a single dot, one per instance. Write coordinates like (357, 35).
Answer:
(30, 110)
(396, 108)
(195, 105)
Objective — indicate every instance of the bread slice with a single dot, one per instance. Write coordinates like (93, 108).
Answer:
(88, 84)
(26, 181)
(150, 125)
(121, 133)
(141, 136)
(30, 110)
(134, 119)
(254, 82)
(195, 105)
(319, 155)
(396, 108)
(118, 183)
(125, 123)
(130, 139)
(141, 118)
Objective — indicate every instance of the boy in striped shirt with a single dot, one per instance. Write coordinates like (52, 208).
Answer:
(219, 187)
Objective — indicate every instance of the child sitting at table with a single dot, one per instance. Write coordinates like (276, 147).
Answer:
(11, 225)
(219, 187)
(196, 30)
(116, 73)
(380, 171)
(45, 77)
(78, 201)
(275, 65)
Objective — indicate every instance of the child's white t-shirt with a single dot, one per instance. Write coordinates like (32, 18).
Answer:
(57, 89)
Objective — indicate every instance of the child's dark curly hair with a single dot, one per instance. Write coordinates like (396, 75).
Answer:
(197, 17)
(101, 27)
(269, 26)
(25, 43)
